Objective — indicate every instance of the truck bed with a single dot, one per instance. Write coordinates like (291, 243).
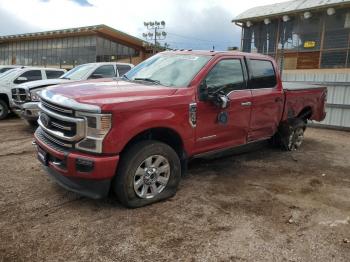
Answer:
(299, 86)
(301, 98)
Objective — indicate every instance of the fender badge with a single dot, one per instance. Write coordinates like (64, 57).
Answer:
(223, 118)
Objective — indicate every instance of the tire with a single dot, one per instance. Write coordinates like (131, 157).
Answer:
(290, 135)
(32, 123)
(149, 171)
(4, 109)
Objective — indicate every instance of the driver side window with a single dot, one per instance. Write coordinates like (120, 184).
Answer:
(226, 75)
(28, 76)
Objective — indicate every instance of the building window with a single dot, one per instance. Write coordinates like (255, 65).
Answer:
(334, 59)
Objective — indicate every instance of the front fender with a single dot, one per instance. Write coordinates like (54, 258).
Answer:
(128, 125)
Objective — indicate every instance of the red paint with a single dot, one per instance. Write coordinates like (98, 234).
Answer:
(137, 108)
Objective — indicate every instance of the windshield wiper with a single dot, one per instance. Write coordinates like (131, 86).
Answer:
(124, 76)
(148, 80)
(65, 78)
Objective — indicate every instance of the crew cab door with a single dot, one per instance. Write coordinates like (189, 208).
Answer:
(218, 127)
(267, 99)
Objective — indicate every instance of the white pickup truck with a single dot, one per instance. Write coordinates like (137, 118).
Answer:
(14, 77)
(25, 96)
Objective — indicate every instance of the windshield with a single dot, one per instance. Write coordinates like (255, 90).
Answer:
(79, 72)
(4, 69)
(9, 73)
(168, 69)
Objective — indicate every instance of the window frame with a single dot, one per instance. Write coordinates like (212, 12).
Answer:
(41, 75)
(250, 73)
(57, 71)
(119, 74)
(114, 69)
(244, 72)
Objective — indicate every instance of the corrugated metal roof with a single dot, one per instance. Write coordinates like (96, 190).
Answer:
(86, 29)
(287, 7)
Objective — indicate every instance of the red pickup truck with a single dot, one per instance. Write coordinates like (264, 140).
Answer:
(134, 135)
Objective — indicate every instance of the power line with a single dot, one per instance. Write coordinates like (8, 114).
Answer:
(198, 39)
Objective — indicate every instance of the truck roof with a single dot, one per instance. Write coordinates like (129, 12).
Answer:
(217, 53)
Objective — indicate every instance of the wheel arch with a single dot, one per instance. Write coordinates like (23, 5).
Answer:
(166, 135)
(5, 98)
(305, 113)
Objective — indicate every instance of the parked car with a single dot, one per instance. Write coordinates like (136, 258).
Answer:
(135, 135)
(26, 98)
(17, 76)
(4, 68)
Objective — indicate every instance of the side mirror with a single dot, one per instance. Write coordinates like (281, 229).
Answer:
(203, 91)
(21, 79)
(96, 76)
(223, 101)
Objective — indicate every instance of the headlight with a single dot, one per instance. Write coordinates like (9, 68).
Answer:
(34, 95)
(97, 127)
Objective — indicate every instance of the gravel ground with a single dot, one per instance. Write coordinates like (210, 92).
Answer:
(263, 205)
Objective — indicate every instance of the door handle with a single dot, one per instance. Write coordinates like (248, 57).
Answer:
(246, 103)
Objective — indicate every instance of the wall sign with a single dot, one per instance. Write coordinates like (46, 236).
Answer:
(309, 44)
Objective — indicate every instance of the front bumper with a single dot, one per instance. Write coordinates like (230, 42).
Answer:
(28, 111)
(65, 167)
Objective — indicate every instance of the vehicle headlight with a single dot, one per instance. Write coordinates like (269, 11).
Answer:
(34, 95)
(97, 127)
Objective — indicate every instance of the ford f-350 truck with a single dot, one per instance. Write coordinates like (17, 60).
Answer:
(134, 136)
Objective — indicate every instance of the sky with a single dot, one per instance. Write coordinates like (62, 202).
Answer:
(190, 24)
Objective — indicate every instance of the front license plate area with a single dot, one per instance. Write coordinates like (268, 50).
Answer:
(42, 156)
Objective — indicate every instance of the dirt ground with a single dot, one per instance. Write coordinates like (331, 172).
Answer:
(264, 205)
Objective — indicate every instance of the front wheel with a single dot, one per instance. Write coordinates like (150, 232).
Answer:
(4, 110)
(149, 171)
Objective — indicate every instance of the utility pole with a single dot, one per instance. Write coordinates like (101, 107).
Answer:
(157, 28)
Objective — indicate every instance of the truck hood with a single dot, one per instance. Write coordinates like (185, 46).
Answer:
(109, 91)
(42, 83)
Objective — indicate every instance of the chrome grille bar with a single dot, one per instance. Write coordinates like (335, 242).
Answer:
(67, 128)
(52, 139)
(20, 95)
(79, 123)
(56, 108)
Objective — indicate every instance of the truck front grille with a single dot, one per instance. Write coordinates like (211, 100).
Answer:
(56, 108)
(59, 126)
(20, 95)
(52, 142)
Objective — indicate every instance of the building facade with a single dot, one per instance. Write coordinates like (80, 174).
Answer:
(70, 47)
(311, 34)
(310, 39)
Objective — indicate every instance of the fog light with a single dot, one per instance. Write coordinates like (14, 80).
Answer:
(84, 165)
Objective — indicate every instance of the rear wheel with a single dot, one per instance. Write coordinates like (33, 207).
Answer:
(4, 109)
(291, 134)
(149, 171)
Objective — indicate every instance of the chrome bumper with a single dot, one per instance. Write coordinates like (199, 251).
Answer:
(27, 111)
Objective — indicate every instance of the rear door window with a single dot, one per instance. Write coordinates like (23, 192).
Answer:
(122, 69)
(52, 74)
(262, 74)
(104, 71)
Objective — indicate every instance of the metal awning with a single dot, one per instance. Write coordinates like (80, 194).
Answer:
(287, 8)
